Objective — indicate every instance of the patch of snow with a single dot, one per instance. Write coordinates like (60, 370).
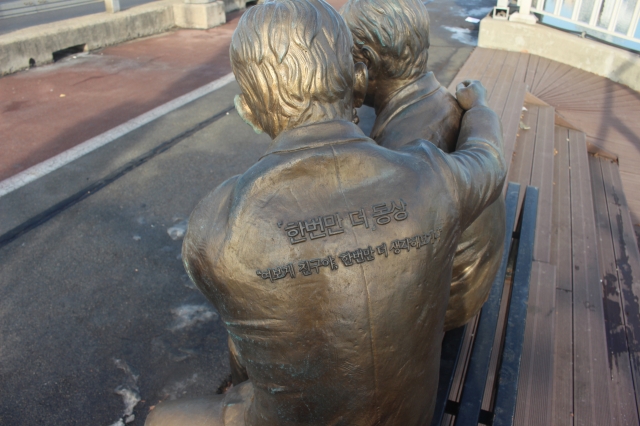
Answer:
(463, 35)
(479, 12)
(187, 316)
(131, 399)
(129, 392)
(179, 388)
(178, 230)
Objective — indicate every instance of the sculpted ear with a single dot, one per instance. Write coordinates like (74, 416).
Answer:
(246, 113)
(373, 61)
(361, 80)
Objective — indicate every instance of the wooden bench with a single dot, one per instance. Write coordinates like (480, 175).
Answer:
(518, 258)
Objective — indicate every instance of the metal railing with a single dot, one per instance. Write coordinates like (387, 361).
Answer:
(616, 18)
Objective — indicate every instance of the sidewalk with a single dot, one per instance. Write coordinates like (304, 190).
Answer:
(50, 109)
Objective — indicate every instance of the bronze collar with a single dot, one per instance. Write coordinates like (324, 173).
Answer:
(405, 97)
(316, 135)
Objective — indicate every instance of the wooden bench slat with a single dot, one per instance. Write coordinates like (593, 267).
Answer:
(520, 170)
(532, 65)
(627, 256)
(521, 69)
(557, 80)
(507, 390)
(542, 178)
(511, 118)
(450, 355)
(490, 76)
(520, 167)
(474, 68)
(543, 64)
(573, 91)
(623, 399)
(496, 354)
(592, 376)
(590, 361)
(498, 95)
(461, 371)
(549, 75)
(606, 111)
(533, 406)
(474, 384)
(562, 391)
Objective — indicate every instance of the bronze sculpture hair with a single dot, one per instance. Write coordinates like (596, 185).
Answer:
(291, 73)
(397, 30)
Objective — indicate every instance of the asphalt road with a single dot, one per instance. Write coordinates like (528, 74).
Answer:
(98, 318)
(102, 281)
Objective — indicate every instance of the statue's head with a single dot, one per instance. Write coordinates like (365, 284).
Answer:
(293, 62)
(390, 36)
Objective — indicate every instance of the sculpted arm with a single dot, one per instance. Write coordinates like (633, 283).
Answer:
(203, 243)
(478, 163)
(475, 172)
(201, 249)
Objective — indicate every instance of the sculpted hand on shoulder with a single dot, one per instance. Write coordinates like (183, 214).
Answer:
(471, 94)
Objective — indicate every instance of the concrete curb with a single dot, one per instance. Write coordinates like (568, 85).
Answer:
(22, 49)
(601, 59)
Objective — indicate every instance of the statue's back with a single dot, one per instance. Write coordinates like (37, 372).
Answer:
(330, 267)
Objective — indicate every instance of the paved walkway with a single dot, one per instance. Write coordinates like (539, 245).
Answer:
(53, 108)
(95, 307)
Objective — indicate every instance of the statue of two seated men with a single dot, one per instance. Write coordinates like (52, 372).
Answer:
(331, 260)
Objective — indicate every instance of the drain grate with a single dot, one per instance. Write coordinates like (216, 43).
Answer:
(63, 53)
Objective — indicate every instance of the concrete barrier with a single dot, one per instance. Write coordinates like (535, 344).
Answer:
(32, 46)
(602, 59)
(199, 14)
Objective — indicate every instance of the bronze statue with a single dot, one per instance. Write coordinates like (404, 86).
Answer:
(330, 259)
(392, 39)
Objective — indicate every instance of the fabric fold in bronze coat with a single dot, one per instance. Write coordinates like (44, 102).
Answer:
(329, 262)
(426, 110)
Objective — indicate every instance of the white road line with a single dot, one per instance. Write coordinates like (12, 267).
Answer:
(32, 173)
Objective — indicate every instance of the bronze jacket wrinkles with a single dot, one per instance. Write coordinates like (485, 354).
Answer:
(426, 110)
(352, 345)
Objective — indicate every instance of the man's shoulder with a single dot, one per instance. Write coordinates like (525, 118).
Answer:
(216, 206)
(435, 118)
(441, 99)
(211, 214)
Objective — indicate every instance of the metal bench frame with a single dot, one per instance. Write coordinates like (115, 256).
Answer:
(468, 410)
